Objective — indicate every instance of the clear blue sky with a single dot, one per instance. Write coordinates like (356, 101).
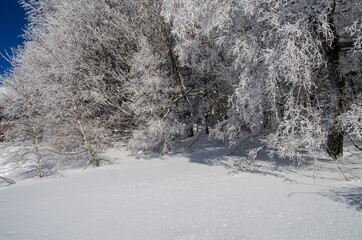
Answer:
(12, 23)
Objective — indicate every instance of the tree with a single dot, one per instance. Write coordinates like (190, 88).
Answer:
(21, 106)
(83, 69)
(93, 72)
(286, 58)
(158, 95)
(205, 62)
(152, 103)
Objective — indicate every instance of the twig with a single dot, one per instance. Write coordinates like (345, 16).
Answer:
(184, 95)
(106, 160)
(68, 153)
(354, 143)
(196, 139)
(257, 153)
(8, 180)
(340, 169)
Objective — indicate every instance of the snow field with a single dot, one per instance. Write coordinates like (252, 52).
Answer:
(171, 197)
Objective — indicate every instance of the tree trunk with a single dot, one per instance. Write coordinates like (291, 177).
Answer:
(80, 125)
(179, 83)
(207, 131)
(335, 143)
(331, 50)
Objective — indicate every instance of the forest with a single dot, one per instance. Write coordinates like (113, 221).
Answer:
(148, 73)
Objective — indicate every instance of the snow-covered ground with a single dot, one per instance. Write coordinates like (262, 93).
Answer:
(189, 194)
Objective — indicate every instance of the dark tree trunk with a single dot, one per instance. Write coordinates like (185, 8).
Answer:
(207, 132)
(185, 115)
(335, 143)
(331, 50)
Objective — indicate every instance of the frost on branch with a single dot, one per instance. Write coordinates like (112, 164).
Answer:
(152, 103)
(351, 121)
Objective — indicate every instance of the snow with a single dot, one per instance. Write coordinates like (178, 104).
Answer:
(188, 194)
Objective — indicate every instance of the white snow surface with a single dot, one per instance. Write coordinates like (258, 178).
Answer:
(188, 194)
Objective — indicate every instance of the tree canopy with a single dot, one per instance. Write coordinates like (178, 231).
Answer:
(96, 72)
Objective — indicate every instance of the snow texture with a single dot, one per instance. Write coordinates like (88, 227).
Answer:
(188, 194)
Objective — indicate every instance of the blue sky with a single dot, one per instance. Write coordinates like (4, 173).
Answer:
(12, 23)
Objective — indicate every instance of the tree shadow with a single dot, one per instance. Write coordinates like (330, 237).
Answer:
(199, 150)
(206, 151)
(18, 161)
(202, 150)
(351, 196)
(146, 155)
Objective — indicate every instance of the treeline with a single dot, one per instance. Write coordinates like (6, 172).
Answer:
(95, 72)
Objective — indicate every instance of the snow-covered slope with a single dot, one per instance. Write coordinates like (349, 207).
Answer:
(184, 196)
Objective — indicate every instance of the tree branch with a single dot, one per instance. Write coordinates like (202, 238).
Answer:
(8, 180)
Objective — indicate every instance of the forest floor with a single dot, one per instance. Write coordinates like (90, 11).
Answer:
(195, 192)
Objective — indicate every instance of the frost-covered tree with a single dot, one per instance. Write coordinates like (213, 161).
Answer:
(51, 35)
(21, 106)
(205, 62)
(160, 99)
(99, 71)
(152, 103)
(287, 69)
(77, 52)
